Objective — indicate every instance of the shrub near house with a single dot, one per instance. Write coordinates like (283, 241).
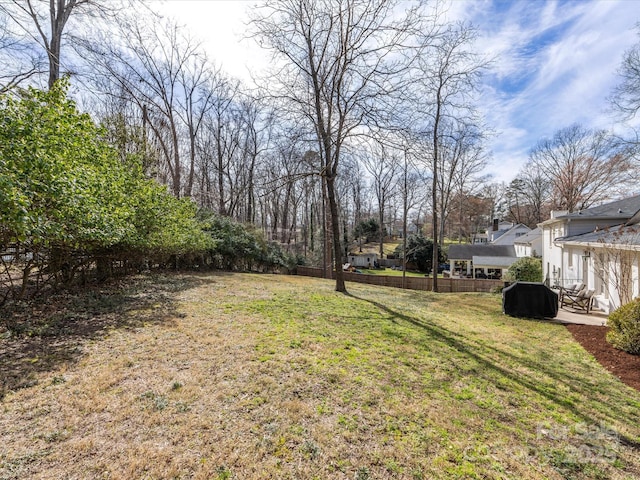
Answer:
(526, 269)
(624, 327)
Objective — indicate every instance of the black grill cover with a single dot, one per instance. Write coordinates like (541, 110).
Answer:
(529, 299)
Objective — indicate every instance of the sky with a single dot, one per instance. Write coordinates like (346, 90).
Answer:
(554, 62)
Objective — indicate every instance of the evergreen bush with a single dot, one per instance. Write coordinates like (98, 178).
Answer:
(624, 327)
(525, 269)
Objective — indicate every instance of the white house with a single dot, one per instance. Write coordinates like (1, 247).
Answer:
(529, 244)
(610, 260)
(484, 261)
(579, 247)
(498, 229)
(509, 236)
(365, 260)
(479, 238)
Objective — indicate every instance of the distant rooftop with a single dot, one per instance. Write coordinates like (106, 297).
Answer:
(467, 252)
(493, 262)
(529, 237)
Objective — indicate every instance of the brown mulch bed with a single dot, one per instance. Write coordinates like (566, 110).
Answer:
(622, 364)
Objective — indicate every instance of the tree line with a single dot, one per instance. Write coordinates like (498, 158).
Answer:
(368, 112)
(71, 205)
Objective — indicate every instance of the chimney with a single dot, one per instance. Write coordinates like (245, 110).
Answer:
(495, 224)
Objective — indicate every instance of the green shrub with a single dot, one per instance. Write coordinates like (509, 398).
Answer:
(237, 246)
(525, 269)
(65, 190)
(624, 327)
(420, 252)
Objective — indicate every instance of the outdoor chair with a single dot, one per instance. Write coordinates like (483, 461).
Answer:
(582, 300)
(573, 289)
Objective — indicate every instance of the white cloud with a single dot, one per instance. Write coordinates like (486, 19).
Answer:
(537, 87)
(555, 62)
(222, 26)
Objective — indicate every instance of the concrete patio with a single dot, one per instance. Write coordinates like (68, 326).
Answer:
(568, 315)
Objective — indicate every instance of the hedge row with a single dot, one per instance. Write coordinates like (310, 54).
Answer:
(69, 203)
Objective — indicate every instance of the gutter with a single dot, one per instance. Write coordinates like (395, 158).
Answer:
(595, 245)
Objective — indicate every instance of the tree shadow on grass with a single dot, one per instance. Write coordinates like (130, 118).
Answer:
(487, 357)
(39, 336)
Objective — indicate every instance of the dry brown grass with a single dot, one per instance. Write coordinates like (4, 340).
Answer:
(260, 376)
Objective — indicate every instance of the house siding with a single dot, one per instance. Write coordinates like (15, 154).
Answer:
(551, 254)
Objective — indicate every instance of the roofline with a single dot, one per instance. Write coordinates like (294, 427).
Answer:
(620, 246)
(528, 242)
(579, 217)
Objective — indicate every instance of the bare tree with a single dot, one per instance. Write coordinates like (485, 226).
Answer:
(45, 22)
(467, 196)
(20, 61)
(583, 166)
(472, 210)
(461, 160)
(196, 99)
(165, 74)
(383, 164)
(339, 59)
(533, 191)
(411, 179)
(258, 120)
(451, 75)
(626, 95)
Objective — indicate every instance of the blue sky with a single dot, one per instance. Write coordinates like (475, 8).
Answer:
(555, 62)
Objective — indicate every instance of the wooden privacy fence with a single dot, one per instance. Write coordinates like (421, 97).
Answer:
(445, 285)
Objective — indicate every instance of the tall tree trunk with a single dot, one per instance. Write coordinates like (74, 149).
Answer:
(335, 231)
(381, 217)
(177, 168)
(59, 14)
(221, 204)
(192, 162)
(54, 61)
(250, 194)
(405, 214)
(434, 196)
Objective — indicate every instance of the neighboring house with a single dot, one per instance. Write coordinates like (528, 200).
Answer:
(14, 253)
(509, 236)
(365, 260)
(479, 238)
(529, 244)
(485, 261)
(498, 229)
(579, 247)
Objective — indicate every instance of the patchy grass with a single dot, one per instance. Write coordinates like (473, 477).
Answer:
(390, 272)
(374, 247)
(259, 376)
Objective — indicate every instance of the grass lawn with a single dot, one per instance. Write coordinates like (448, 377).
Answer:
(390, 272)
(394, 273)
(238, 376)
